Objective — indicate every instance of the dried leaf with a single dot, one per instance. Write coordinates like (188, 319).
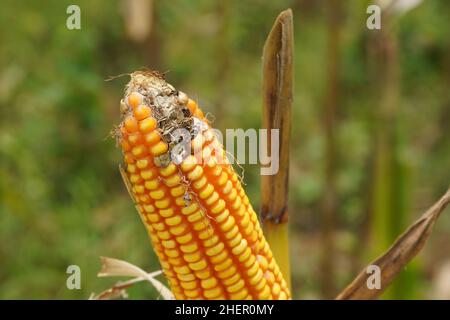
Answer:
(118, 268)
(277, 114)
(277, 88)
(162, 289)
(117, 291)
(127, 183)
(406, 247)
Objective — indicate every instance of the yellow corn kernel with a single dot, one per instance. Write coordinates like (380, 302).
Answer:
(139, 188)
(167, 171)
(192, 257)
(152, 184)
(189, 209)
(218, 207)
(172, 181)
(169, 244)
(162, 204)
(206, 191)
(199, 183)
(165, 213)
(189, 285)
(195, 216)
(131, 168)
(219, 258)
(159, 148)
(186, 277)
(149, 208)
(227, 273)
(236, 287)
(151, 137)
(213, 293)
(199, 265)
(189, 248)
(203, 274)
(179, 229)
(233, 242)
(231, 280)
(215, 250)
(147, 125)
(178, 191)
(240, 295)
(212, 199)
(195, 174)
(142, 163)
(184, 238)
(173, 221)
(157, 194)
(148, 174)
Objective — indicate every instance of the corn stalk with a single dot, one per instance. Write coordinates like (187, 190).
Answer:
(277, 105)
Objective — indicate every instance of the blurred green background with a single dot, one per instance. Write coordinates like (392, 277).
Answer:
(370, 142)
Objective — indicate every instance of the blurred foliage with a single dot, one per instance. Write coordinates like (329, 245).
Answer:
(62, 201)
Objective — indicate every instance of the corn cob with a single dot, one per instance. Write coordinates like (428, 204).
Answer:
(202, 226)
